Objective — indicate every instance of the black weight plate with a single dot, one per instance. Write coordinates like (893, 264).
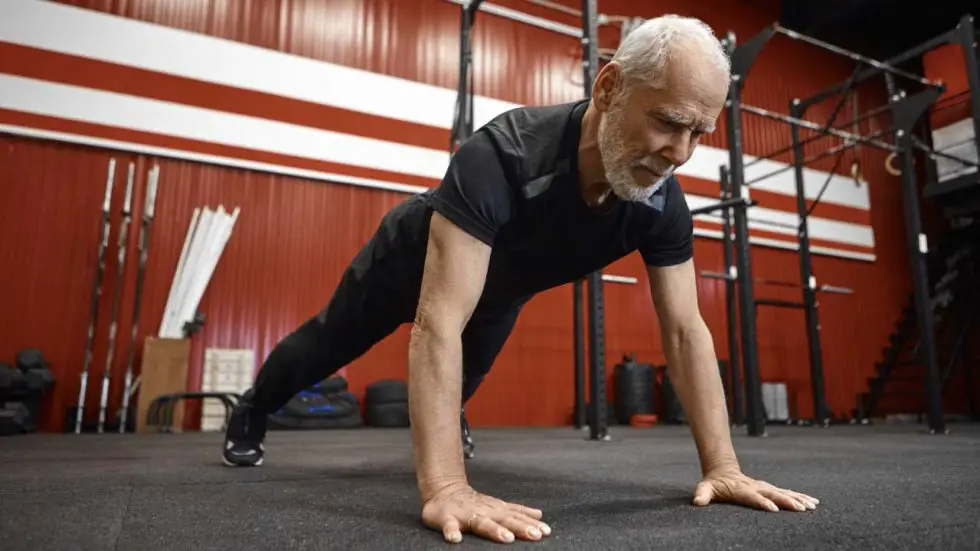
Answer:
(386, 391)
(30, 358)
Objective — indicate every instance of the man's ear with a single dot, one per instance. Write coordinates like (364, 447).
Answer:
(606, 85)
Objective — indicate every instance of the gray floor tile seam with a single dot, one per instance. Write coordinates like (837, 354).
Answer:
(123, 517)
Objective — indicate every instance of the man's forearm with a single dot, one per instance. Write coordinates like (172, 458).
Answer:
(434, 389)
(693, 371)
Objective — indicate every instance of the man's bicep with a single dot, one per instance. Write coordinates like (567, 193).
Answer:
(675, 294)
(452, 280)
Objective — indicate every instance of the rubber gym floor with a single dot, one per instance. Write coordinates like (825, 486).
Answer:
(881, 487)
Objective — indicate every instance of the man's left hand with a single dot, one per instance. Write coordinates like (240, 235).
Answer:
(730, 485)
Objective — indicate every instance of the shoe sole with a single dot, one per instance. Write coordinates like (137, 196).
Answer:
(230, 464)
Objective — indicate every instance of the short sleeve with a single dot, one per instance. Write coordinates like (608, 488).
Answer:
(672, 241)
(475, 194)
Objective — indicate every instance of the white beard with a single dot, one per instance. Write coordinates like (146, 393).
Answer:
(617, 163)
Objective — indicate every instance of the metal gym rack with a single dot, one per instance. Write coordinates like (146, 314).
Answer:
(594, 412)
(906, 108)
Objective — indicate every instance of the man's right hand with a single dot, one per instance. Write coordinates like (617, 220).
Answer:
(459, 508)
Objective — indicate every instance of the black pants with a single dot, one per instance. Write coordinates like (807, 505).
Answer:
(367, 306)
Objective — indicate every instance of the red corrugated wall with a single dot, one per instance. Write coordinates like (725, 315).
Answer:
(258, 294)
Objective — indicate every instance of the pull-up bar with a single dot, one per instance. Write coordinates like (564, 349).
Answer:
(789, 148)
(847, 136)
(881, 66)
(803, 123)
(720, 205)
(960, 33)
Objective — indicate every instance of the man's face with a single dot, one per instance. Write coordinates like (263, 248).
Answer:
(646, 133)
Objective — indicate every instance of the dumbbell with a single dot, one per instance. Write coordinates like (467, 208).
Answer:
(13, 416)
(11, 380)
(37, 376)
(39, 380)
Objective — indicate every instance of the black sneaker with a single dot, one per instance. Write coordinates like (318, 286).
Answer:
(468, 446)
(244, 437)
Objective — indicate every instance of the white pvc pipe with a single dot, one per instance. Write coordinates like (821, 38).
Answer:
(179, 271)
(205, 223)
(209, 263)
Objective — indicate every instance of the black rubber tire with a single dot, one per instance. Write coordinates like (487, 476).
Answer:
(387, 415)
(386, 391)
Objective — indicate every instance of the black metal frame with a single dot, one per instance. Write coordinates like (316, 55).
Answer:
(596, 416)
(906, 110)
(463, 118)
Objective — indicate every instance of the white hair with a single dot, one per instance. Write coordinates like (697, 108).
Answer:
(644, 53)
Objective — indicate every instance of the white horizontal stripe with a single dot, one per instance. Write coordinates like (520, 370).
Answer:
(822, 228)
(842, 190)
(209, 159)
(88, 33)
(328, 177)
(761, 218)
(790, 245)
(173, 119)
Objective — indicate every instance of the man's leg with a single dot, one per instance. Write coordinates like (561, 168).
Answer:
(364, 309)
(483, 339)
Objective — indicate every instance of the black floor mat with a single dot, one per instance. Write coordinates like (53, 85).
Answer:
(891, 487)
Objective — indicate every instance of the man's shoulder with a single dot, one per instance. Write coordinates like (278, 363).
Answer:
(529, 129)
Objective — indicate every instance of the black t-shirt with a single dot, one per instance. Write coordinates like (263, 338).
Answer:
(514, 185)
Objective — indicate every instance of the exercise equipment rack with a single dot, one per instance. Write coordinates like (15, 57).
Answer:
(906, 108)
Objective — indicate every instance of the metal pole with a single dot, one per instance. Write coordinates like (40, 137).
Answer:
(820, 413)
(789, 148)
(918, 248)
(746, 302)
(462, 126)
(724, 204)
(738, 417)
(906, 112)
(818, 127)
(880, 65)
(579, 416)
(598, 427)
(865, 74)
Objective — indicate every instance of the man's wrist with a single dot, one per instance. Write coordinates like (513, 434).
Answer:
(720, 463)
(430, 486)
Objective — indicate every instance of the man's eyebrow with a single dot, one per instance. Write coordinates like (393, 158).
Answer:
(677, 117)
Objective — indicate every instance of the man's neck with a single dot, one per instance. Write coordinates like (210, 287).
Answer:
(591, 174)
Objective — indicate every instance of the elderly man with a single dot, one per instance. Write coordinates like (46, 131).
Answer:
(537, 198)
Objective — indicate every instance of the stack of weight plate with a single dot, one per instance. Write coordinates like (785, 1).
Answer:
(22, 387)
(326, 405)
(386, 404)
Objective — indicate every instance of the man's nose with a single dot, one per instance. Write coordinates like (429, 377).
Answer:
(678, 149)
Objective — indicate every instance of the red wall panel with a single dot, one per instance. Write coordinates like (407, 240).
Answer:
(259, 293)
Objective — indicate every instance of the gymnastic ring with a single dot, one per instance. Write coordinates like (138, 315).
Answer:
(889, 167)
